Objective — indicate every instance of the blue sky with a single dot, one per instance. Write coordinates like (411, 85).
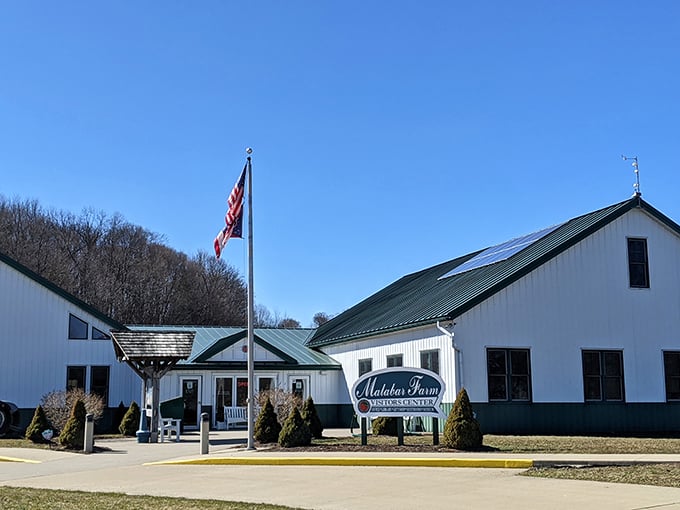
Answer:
(387, 136)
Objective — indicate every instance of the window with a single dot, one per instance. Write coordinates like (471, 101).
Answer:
(77, 328)
(265, 383)
(429, 360)
(671, 365)
(365, 366)
(396, 360)
(99, 383)
(509, 374)
(223, 396)
(638, 264)
(98, 334)
(75, 378)
(603, 376)
(241, 391)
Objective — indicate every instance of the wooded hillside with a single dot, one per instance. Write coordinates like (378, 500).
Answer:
(122, 269)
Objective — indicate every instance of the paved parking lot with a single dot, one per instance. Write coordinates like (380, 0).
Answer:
(124, 467)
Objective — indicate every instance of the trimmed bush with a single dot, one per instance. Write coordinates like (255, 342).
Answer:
(72, 436)
(38, 425)
(267, 426)
(283, 402)
(295, 431)
(130, 422)
(312, 419)
(461, 430)
(384, 426)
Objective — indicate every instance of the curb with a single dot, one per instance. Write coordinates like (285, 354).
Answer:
(352, 461)
(14, 459)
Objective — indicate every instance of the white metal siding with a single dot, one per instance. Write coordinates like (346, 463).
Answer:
(35, 349)
(410, 343)
(582, 300)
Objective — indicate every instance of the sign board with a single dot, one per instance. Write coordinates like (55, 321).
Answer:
(399, 391)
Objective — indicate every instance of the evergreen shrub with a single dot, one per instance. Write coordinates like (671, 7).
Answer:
(312, 419)
(38, 425)
(461, 430)
(385, 426)
(267, 426)
(72, 436)
(295, 431)
(130, 422)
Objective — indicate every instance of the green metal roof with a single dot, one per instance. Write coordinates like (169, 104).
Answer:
(61, 292)
(425, 297)
(287, 344)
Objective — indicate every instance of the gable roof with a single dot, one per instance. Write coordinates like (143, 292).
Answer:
(424, 297)
(144, 344)
(287, 344)
(60, 292)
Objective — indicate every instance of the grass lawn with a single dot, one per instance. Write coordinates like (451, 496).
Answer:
(12, 498)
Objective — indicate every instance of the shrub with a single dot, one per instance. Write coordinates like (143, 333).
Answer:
(130, 422)
(72, 436)
(461, 430)
(58, 405)
(38, 425)
(267, 427)
(385, 426)
(311, 418)
(283, 402)
(295, 432)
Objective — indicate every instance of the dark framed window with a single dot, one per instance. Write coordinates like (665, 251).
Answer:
(99, 383)
(75, 377)
(508, 375)
(603, 376)
(77, 328)
(638, 263)
(365, 366)
(395, 360)
(98, 334)
(671, 367)
(429, 360)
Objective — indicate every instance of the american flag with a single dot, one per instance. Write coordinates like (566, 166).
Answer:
(234, 216)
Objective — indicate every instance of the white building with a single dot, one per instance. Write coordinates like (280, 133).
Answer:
(52, 341)
(573, 329)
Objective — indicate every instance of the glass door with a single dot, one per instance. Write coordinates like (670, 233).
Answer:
(192, 403)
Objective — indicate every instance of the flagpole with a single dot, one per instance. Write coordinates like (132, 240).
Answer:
(251, 311)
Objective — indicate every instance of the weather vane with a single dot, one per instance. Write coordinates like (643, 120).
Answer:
(636, 186)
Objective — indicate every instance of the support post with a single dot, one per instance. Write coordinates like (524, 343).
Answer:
(88, 443)
(400, 431)
(435, 431)
(205, 429)
(364, 432)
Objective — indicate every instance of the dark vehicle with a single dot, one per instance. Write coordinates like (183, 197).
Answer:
(9, 418)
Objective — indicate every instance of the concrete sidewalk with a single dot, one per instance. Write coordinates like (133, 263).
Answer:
(325, 480)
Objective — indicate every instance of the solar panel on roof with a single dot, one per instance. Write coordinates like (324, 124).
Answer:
(499, 252)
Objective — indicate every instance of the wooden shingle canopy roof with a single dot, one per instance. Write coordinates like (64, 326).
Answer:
(170, 346)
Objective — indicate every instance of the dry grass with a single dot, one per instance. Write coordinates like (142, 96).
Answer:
(12, 498)
(664, 475)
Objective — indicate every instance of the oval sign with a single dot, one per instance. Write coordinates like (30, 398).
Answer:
(399, 391)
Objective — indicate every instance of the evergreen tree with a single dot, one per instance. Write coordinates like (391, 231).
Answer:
(73, 435)
(38, 425)
(295, 431)
(384, 426)
(461, 430)
(130, 422)
(267, 426)
(312, 419)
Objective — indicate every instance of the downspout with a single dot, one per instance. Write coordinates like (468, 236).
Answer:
(457, 355)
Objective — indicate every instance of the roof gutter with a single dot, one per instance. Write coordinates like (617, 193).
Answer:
(457, 354)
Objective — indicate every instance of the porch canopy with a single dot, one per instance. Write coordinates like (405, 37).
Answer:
(151, 354)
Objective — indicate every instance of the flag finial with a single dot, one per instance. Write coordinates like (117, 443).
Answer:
(249, 150)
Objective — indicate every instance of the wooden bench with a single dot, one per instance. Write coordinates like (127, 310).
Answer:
(235, 416)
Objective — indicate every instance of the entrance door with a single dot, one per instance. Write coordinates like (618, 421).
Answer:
(192, 403)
